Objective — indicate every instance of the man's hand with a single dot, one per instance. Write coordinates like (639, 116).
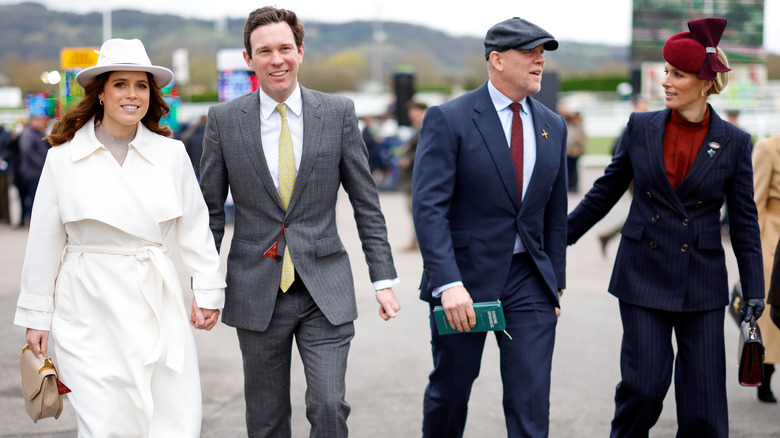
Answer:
(37, 340)
(459, 308)
(204, 319)
(388, 304)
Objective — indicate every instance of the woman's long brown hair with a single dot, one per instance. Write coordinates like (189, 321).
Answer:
(89, 106)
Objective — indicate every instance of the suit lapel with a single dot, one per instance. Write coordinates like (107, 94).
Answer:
(703, 163)
(312, 131)
(486, 119)
(251, 139)
(546, 156)
(654, 135)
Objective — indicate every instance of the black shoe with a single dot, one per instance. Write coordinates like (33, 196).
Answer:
(765, 390)
(765, 395)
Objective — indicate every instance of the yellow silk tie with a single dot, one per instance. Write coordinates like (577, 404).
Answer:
(286, 183)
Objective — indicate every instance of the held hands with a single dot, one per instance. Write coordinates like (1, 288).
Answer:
(753, 307)
(388, 304)
(459, 308)
(37, 340)
(203, 319)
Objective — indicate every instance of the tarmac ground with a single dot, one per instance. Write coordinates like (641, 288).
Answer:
(390, 361)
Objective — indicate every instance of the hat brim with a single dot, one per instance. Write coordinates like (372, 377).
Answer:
(162, 76)
(548, 43)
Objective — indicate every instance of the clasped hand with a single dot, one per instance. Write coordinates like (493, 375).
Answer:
(204, 319)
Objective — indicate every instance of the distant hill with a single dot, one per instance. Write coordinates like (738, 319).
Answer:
(32, 35)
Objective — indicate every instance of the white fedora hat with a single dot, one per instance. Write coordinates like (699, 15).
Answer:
(124, 55)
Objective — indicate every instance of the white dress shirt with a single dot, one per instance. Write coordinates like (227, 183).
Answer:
(271, 128)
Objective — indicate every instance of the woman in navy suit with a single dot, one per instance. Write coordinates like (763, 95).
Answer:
(670, 271)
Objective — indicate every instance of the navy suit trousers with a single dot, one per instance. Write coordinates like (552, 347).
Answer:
(526, 361)
(646, 365)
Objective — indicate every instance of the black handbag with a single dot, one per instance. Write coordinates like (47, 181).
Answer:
(751, 354)
(735, 305)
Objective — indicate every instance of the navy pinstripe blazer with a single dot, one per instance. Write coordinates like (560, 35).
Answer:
(670, 255)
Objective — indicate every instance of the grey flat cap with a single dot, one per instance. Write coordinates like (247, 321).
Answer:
(516, 33)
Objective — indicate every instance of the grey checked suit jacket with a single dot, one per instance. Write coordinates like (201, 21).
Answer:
(334, 155)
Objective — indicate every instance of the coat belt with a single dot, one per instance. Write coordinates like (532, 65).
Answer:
(171, 319)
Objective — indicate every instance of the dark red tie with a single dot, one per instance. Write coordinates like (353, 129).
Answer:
(516, 145)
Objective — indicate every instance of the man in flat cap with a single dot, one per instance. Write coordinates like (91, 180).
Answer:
(489, 205)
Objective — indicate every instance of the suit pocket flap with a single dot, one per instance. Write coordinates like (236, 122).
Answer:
(709, 241)
(461, 238)
(329, 245)
(633, 231)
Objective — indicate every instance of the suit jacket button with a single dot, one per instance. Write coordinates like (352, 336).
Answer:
(653, 244)
(655, 218)
(699, 204)
(684, 247)
(686, 222)
(649, 196)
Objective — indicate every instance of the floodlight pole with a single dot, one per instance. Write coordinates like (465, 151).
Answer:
(107, 22)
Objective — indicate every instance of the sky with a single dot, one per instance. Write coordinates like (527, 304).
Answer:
(594, 21)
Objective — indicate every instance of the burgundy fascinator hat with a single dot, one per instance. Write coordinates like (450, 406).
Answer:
(697, 51)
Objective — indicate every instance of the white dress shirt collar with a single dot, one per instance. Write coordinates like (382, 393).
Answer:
(501, 102)
(294, 103)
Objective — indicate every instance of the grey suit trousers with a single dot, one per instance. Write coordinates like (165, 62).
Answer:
(267, 355)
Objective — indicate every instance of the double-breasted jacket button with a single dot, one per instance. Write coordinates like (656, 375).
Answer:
(655, 218)
(684, 247)
(649, 196)
(653, 244)
(699, 204)
(686, 222)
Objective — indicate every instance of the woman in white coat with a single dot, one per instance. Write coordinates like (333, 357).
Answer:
(97, 275)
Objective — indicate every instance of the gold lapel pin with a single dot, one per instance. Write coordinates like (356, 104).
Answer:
(544, 134)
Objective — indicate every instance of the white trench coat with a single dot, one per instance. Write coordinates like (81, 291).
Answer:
(97, 275)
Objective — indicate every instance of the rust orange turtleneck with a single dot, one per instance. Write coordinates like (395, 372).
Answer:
(682, 141)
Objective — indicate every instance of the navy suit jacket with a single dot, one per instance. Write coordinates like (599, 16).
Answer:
(466, 203)
(670, 255)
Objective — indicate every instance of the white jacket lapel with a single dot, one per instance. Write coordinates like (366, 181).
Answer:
(134, 198)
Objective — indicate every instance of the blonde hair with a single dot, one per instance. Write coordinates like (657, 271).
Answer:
(721, 78)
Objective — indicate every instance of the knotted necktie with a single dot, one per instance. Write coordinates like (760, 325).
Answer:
(286, 183)
(516, 145)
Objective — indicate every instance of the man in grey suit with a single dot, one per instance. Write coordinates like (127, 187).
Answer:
(284, 151)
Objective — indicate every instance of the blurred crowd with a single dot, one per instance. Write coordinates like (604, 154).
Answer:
(22, 153)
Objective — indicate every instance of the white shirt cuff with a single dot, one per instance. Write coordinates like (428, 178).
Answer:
(34, 319)
(438, 291)
(384, 284)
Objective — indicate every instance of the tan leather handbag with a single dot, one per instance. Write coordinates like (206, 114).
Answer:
(42, 397)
